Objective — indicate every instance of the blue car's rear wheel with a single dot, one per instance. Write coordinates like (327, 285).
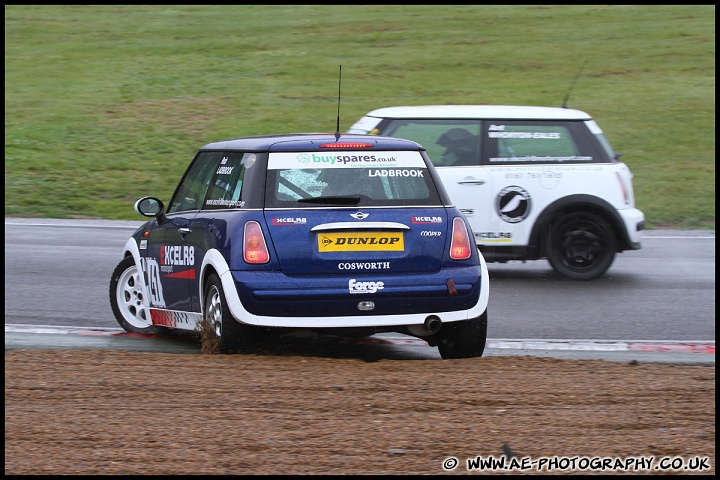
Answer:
(231, 335)
(464, 339)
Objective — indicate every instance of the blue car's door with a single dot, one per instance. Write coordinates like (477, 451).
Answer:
(173, 249)
(169, 262)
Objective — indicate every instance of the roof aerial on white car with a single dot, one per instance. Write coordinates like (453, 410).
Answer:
(506, 112)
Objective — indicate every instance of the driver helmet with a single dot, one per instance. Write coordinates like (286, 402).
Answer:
(455, 137)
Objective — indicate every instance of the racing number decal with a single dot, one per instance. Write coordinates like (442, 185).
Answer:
(152, 270)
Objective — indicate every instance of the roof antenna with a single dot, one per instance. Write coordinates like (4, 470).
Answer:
(337, 131)
(564, 105)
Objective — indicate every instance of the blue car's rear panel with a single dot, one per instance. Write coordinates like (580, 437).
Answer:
(281, 295)
(315, 282)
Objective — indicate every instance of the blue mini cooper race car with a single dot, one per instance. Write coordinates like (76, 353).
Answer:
(334, 234)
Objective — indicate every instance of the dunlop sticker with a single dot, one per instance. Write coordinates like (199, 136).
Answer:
(361, 242)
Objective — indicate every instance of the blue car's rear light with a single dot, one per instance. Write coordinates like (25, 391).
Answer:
(254, 247)
(460, 245)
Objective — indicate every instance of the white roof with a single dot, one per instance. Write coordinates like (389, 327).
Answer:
(504, 112)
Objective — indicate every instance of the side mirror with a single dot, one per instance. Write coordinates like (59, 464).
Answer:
(150, 207)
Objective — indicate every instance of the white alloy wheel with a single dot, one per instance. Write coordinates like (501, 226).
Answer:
(127, 298)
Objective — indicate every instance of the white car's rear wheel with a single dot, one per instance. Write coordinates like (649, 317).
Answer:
(582, 246)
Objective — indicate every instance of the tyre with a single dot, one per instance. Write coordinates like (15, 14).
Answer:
(581, 246)
(231, 335)
(126, 298)
(464, 339)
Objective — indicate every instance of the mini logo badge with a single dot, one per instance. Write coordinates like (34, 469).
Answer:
(513, 204)
(359, 215)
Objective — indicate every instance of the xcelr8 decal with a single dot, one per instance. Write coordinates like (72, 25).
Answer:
(513, 204)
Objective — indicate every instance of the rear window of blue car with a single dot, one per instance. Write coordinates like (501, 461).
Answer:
(312, 179)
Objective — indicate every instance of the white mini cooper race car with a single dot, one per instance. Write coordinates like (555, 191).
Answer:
(534, 182)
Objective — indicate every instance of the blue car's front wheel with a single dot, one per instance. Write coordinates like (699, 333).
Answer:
(126, 298)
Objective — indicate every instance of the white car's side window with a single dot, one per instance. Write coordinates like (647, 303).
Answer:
(515, 142)
(448, 142)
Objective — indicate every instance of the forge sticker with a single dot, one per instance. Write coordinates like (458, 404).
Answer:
(513, 204)
(364, 287)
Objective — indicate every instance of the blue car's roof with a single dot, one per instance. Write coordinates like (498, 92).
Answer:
(308, 142)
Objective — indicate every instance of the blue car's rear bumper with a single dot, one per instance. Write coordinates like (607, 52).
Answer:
(275, 299)
(276, 294)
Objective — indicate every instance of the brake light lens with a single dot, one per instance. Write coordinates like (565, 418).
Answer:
(460, 244)
(347, 145)
(254, 246)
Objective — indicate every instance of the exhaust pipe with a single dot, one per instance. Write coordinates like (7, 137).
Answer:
(431, 326)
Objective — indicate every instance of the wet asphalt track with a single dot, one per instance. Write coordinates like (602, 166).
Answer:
(519, 291)
(377, 347)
